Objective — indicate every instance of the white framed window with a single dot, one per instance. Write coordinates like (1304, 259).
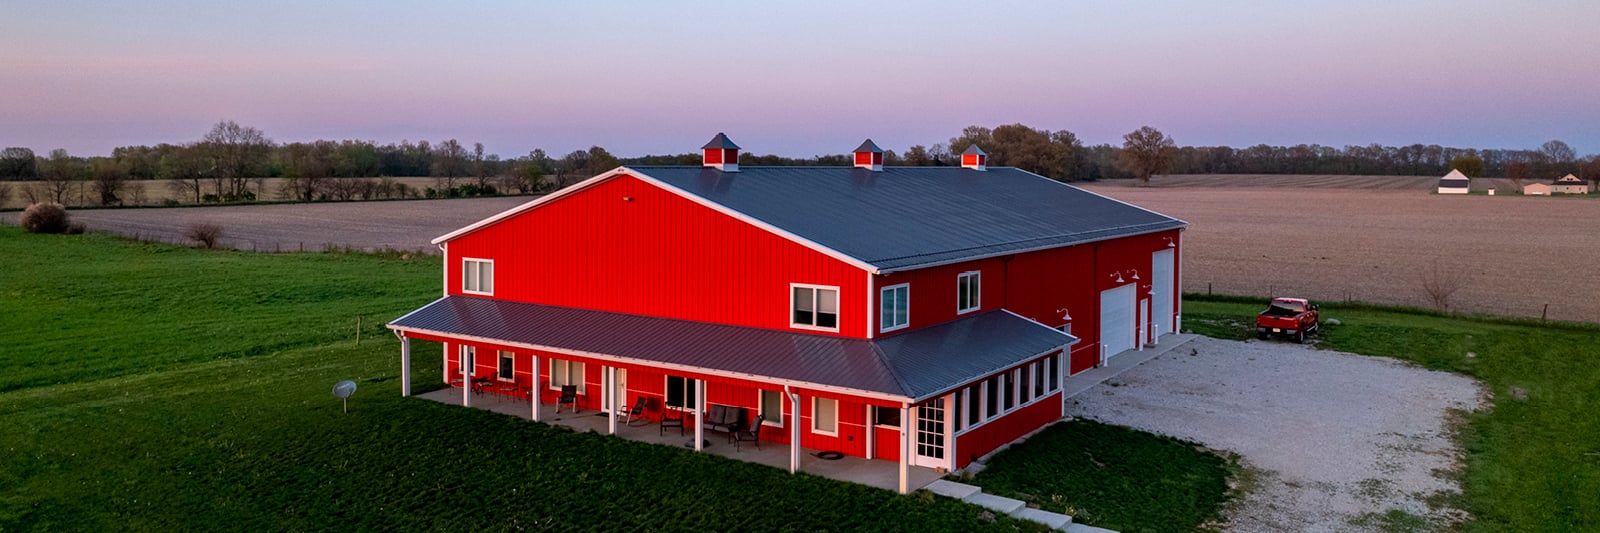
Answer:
(894, 309)
(968, 293)
(1025, 377)
(772, 408)
(825, 416)
(888, 417)
(477, 276)
(507, 370)
(974, 405)
(1038, 378)
(564, 372)
(1054, 371)
(1008, 390)
(814, 307)
(991, 397)
(468, 359)
(681, 393)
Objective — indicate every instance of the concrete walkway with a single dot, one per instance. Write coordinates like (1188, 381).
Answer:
(870, 472)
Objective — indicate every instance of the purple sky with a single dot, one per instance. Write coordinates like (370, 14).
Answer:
(803, 78)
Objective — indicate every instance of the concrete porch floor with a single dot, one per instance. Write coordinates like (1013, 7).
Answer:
(871, 472)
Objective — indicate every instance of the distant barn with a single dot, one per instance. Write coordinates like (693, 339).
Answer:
(1454, 183)
(1570, 184)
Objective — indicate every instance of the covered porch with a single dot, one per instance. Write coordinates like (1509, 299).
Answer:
(870, 472)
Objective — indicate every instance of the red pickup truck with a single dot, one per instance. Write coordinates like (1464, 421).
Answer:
(1293, 317)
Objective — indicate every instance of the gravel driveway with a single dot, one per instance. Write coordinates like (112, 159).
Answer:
(1337, 439)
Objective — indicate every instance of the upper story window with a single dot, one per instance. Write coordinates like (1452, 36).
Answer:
(894, 307)
(815, 307)
(967, 293)
(477, 276)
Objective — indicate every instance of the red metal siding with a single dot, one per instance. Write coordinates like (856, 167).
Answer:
(627, 246)
(1043, 286)
(713, 156)
(983, 439)
(863, 158)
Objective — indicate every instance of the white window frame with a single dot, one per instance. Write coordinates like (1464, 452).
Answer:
(500, 357)
(465, 261)
(689, 389)
(875, 423)
(761, 407)
(567, 374)
(815, 418)
(977, 294)
(815, 308)
(906, 301)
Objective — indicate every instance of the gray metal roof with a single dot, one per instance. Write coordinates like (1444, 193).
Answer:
(1454, 182)
(914, 364)
(868, 146)
(909, 217)
(720, 141)
(972, 149)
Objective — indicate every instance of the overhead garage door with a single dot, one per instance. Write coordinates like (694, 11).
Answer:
(1162, 290)
(1116, 319)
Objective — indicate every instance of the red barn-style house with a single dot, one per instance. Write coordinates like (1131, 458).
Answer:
(924, 315)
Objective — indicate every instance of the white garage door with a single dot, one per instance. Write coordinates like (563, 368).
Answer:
(1161, 290)
(1116, 319)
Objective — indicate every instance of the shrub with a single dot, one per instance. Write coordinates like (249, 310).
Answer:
(204, 234)
(45, 217)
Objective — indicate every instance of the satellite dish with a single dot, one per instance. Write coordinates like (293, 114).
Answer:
(343, 390)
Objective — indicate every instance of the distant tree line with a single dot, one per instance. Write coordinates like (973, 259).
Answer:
(231, 162)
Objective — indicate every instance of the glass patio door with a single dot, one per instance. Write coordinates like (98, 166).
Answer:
(929, 448)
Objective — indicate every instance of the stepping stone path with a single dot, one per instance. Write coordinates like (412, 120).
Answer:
(1013, 507)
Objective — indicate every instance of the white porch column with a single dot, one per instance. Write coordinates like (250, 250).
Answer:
(405, 366)
(533, 390)
(699, 415)
(794, 430)
(905, 446)
(611, 399)
(950, 431)
(466, 376)
(872, 431)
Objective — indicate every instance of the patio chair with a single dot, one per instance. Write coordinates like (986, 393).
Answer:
(636, 413)
(569, 396)
(752, 435)
(671, 418)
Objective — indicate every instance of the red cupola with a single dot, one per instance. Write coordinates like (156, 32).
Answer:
(721, 153)
(869, 156)
(974, 158)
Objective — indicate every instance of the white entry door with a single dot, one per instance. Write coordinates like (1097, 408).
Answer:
(1117, 319)
(621, 386)
(929, 447)
(1163, 289)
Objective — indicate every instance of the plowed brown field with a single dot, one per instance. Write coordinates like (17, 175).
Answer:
(1517, 253)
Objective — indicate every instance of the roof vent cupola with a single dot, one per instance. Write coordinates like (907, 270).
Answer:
(721, 153)
(974, 158)
(869, 156)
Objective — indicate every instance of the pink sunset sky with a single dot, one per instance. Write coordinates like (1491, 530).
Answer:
(801, 78)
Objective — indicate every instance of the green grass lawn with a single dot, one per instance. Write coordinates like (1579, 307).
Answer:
(151, 387)
(1532, 464)
(1112, 477)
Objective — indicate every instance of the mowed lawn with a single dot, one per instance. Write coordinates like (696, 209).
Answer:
(151, 387)
(1533, 456)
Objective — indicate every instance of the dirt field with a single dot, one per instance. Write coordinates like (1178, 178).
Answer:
(405, 225)
(1335, 439)
(155, 191)
(1516, 253)
(1313, 181)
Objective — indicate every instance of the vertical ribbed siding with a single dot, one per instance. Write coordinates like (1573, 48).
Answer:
(630, 247)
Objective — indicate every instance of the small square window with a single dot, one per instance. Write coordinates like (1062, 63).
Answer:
(824, 416)
(477, 276)
(894, 307)
(814, 307)
(886, 416)
(772, 408)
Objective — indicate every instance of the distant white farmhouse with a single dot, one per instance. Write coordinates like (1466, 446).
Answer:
(1570, 184)
(1454, 183)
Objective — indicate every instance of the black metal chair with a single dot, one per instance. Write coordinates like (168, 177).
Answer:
(569, 396)
(751, 435)
(669, 419)
(637, 413)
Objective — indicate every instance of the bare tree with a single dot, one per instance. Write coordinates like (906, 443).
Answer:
(136, 194)
(449, 163)
(1558, 152)
(5, 192)
(1516, 173)
(109, 179)
(1147, 151)
(241, 153)
(59, 173)
(187, 168)
(1440, 281)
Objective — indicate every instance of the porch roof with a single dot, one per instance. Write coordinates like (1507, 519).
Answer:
(913, 365)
